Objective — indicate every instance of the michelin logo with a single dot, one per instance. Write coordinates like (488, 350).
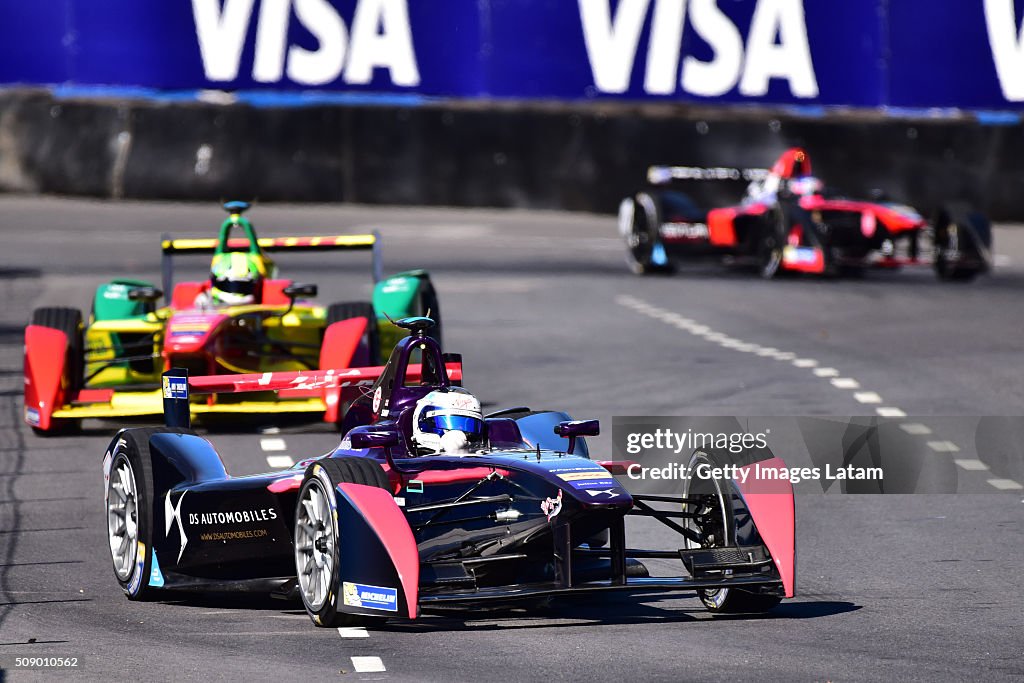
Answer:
(370, 597)
(175, 387)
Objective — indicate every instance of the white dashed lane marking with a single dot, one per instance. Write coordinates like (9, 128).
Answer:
(728, 342)
(280, 461)
(276, 444)
(915, 428)
(353, 632)
(890, 412)
(367, 664)
(832, 374)
(971, 464)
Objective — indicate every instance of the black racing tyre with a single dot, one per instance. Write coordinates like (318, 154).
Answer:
(734, 601)
(715, 525)
(963, 243)
(128, 495)
(359, 309)
(68, 321)
(639, 218)
(317, 545)
(771, 242)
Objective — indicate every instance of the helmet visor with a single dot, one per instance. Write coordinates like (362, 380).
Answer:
(439, 424)
(245, 287)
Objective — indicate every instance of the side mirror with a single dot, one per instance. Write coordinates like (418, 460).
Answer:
(617, 466)
(295, 290)
(144, 294)
(571, 429)
(361, 440)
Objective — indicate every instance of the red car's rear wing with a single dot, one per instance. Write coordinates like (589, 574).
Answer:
(661, 175)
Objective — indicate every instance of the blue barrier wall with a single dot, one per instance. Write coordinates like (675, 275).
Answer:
(862, 53)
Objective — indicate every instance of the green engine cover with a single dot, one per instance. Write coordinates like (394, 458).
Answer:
(112, 303)
(398, 296)
(404, 295)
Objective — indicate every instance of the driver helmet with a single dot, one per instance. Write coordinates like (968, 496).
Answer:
(806, 185)
(447, 421)
(234, 279)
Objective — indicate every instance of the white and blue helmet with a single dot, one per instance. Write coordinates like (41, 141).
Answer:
(447, 421)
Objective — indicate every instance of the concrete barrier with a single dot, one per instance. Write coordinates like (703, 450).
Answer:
(583, 157)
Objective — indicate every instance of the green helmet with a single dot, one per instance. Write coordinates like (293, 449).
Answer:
(236, 278)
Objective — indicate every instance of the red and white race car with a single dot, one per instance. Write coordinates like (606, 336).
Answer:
(789, 221)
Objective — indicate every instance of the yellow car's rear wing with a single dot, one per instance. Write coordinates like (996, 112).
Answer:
(190, 246)
(323, 243)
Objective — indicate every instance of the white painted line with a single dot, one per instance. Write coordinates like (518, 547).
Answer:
(270, 430)
(915, 428)
(943, 446)
(365, 665)
(280, 461)
(1005, 484)
(971, 464)
(890, 412)
(1001, 260)
(728, 342)
(272, 444)
(353, 632)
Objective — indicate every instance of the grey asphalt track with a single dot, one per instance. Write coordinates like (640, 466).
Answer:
(907, 587)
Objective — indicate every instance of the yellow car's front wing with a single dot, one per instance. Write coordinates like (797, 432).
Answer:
(142, 403)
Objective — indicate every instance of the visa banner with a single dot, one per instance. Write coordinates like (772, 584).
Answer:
(859, 53)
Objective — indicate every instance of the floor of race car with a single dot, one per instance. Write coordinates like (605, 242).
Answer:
(908, 587)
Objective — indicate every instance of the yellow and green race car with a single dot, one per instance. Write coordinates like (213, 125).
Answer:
(244, 319)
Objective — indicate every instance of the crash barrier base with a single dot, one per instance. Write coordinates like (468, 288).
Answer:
(580, 157)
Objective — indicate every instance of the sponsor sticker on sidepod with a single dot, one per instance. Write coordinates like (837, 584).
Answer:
(370, 597)
(588, 479)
